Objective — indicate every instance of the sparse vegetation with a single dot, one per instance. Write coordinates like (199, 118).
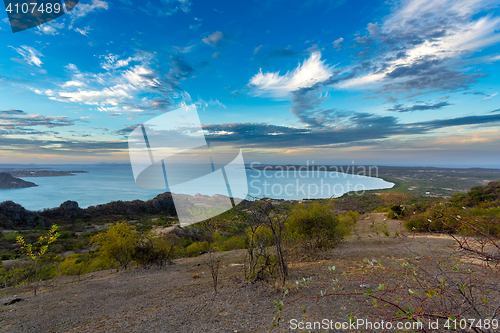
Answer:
(278, 235)
(36, 251)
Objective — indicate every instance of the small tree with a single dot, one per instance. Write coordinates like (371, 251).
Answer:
(213, 263)
(37, 250)
(265, 213)
(118, 242)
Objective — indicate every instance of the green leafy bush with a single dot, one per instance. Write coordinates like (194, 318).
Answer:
(153, 249)
(232, 243)
(74, 264)
(316, 226)
(196, 248)
(117, 243)
(477, 211)
(11, 237)
(263, 236)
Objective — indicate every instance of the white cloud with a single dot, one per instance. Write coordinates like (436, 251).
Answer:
(458, 34)
(141, 76)
(494, 58)
(204, 104)
(71, 67)
(113, 61)
(73, 84)
(490, 96)
(30, 55)
(82, 31)
(403, 17)
(214, 39)
(307, 74)
(47, 29)
(186, 49)
(336, 43)
(83, 9)
(256, 50)
(123, 84)
(94, 97)
(126, 85)
(50, 28)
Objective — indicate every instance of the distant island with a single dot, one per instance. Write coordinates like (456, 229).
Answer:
(7, 181)
(9, 176)
(39, 173)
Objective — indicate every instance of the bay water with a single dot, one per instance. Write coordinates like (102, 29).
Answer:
(104, 183)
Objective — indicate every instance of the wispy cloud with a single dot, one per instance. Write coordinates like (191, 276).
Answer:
(415, 46)
(83, 9)
(112, 61)
(12, 112)
(166, 7)
(185, 49)
(128, 84)
(50, 28)
(30, 55)
(307, 74)
(256, 50)
(214, 39)
(73, 83)
(418, 107)
(354, 128)
(419, 48)
(19, 122)
(490, 96)
(62, 147)
(336, 43)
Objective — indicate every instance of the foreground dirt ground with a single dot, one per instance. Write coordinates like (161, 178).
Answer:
(171, 300)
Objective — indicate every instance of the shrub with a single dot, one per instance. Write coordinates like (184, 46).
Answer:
(316, 226)
(74, 264)
(232, 243)
(396, 212)
(11, 237)
(65, 234)
(118, 243)
(263, 235)
(13, 276)
(153, 249)
(196, 248)
(7, 255)
(438, 218)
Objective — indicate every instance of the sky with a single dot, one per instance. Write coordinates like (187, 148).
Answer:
(286, 81)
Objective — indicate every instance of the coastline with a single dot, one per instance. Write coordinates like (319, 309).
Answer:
(40, 173)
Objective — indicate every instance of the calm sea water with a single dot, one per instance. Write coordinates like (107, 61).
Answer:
(106, 183)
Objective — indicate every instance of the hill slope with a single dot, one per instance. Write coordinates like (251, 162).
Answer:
(7, 181)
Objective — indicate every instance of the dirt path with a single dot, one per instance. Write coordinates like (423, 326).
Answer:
(170, 300)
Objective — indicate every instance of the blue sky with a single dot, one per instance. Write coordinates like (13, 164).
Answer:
(387, 83)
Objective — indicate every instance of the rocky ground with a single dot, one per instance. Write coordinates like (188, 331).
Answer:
(171, 300)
